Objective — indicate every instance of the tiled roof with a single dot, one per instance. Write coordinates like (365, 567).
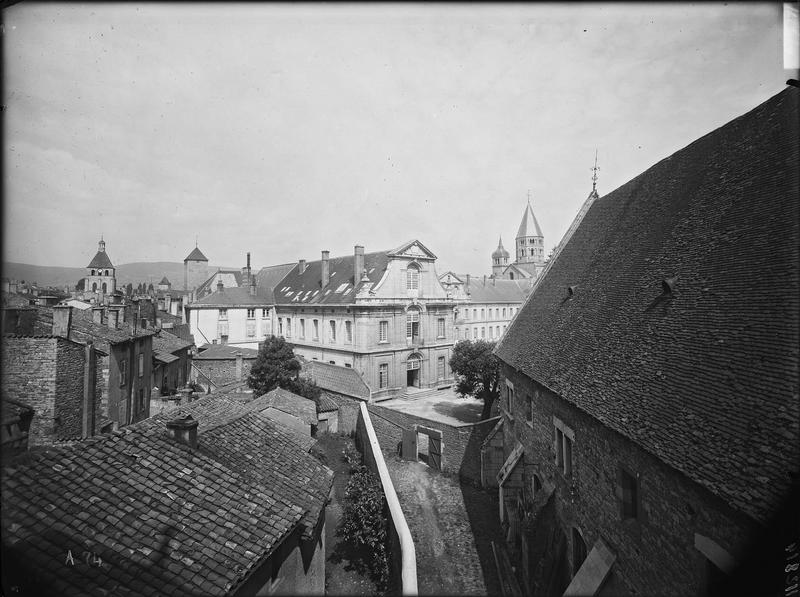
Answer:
(529, 226)
(288, 402)
(164, 281)
(326, 404)
(165, 357)
(705, 377)
(307, 287)
(230, 278)
(224, 351)
(168, 317)
(196, 255)
(168, 343)
(498, 291)
(342, 380)
(163, 519)
(101, 260)
(268, 278)
(525, 268)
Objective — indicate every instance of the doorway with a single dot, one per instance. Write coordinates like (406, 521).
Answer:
(412, 371)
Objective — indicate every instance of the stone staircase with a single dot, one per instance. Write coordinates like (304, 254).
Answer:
(415, 394)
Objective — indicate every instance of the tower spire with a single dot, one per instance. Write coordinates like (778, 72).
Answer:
(594, 172)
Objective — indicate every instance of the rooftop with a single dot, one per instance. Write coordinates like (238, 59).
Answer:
(342, 380)
(681, 328)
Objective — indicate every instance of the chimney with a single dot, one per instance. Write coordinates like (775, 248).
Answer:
(239, 366)
(301, 266)
(62, 320)
(358, 264)
(113, 318)
(248, 263)
(484, 280)
(220, 286)
(184, 431)
(97, 315)
(89, 392)
(326, 269)
(467, 286)
(253, 287)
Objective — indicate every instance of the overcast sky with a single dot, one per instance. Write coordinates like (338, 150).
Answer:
(286, 130)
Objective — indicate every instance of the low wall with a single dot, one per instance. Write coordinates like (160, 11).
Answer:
(402, 555)
(461, 446)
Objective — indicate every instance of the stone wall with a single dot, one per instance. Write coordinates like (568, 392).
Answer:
(656, 551)
(348, 411)
(221, 371)
(461, 446)
(68, 409)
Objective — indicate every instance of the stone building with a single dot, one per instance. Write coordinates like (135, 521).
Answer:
(529, 259)
(195, 270)
(384, 314)
(488, 307)
(650, 412)
(100, 277)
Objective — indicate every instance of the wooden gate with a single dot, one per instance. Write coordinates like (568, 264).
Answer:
(434, 446)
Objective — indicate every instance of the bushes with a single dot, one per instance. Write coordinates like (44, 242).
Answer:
(363, 526)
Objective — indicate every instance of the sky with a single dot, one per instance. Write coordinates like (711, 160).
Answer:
(285, 130)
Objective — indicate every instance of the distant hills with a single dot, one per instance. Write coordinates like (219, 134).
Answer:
(134, 273)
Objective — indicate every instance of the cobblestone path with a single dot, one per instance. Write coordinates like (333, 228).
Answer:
(452, 527)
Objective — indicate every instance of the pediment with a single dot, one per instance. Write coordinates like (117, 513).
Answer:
(412, 249)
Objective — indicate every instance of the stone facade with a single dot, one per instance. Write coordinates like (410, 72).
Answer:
(677, 518)
(48, 373)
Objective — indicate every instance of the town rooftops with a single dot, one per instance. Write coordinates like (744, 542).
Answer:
(235, 296)
(287, 402)
(671, 315)
(155, 516)
(342, 380)
(196, 255)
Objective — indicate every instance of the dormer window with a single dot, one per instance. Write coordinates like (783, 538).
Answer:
(412, 277)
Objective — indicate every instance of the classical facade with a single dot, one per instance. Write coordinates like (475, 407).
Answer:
(650, 421)
(384, 314)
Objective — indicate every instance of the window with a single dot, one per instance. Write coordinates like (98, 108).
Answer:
(348, 365)
(223, 314)
(440, 368)
(412, 278)
(509, 396)
(383, 375)
(504, 312)
(315, 330)
(491, 332)
(412, 325)
(348, 332)
(497, 313)
(250, 329)
(474, 333)
(383, 331)
(303, 329)
(332, 331)
(288, 327)
(123, 372)
(141, 399)
(440, 327)
(629, 490)
(251, 313)
(280, 326)
(483, 314)
(331, 362)
(474, 314)
(264, 312)
(564, 436)
(466, 313)
(497, 332)
(483, 333)
(528, 409)
(141, 364)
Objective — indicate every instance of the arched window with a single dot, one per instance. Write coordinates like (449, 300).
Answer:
(105, 289)
(105, 273)
(93, 272)
(412, 277)
(578, 550)
(94, 287)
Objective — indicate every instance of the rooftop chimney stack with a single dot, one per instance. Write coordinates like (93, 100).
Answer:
(358, 264)
(301, 267)
(253, 287)
(184, 430)
(113, 318)
(326, 268)
(97, 315)
(220, 286)
(62, 320)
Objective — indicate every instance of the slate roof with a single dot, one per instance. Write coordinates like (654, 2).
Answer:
(101, 260)
(164, 342)
(232, 297)
(196, 255)
(269, 277)
(529, 226)
(288, 402)
(342, 380)
(498, 291)
(164, 519)
(307, 287)
(706, 377)
(223, 351)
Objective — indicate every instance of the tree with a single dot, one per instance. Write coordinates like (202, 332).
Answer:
(277, 367)
(478, 372)
(129, 289)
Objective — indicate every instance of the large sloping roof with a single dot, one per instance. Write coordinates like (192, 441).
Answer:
(307, 287)
(342, 380)
(164, 519)
(287, 402)
(705, 377)
(233, 297)
(269, 277)
(216, 352)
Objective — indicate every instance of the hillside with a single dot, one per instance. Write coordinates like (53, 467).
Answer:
(127, 272)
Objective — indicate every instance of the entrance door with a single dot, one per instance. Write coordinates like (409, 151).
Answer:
(412, 378)
(435, 452)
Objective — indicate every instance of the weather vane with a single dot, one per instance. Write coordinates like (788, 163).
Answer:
(594, 170)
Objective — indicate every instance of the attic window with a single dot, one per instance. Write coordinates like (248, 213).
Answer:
(342, 287)
(571, 291)
(668, 285)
